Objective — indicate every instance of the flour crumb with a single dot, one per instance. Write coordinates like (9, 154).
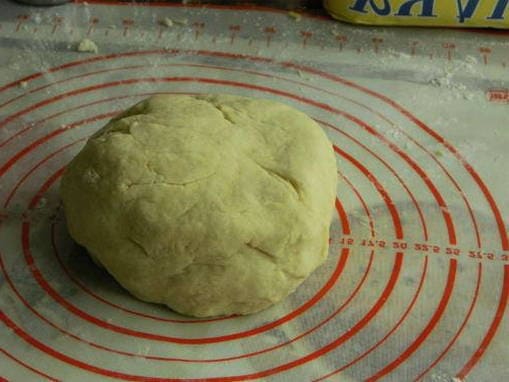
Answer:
(442, 81)
(167, 22)
(87, 45)
(23, 84)
(294, 15)
(180, 21)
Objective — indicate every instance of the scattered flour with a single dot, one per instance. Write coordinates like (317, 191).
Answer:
(442, 377)
(458, 89)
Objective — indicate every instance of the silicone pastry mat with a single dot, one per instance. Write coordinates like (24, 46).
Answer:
(416, 282)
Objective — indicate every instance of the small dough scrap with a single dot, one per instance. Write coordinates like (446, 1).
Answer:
(87, 45)
(213, 205)
(295, 15)
(167, 22)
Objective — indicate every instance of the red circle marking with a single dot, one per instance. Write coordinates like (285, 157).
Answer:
(462, 326)
(389, 167)
(39, 164)
(41, 121)
(491, 205)
(398, 228)
(71, 335)
(499, 315)
(20, 154)
(427, 330)
(343, 217)
(443, 303)
(32, 91)
(81, 106)
(390, 332)
(27, 366)
(187, 65)
(363, 203)
(338, 341)
(431, 186)
(113, 56)
(491, 201)
(36, 197)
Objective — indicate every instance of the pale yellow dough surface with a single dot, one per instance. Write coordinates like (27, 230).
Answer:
(212, 205)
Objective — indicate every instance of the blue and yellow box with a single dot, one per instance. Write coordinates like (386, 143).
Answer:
(450, 13)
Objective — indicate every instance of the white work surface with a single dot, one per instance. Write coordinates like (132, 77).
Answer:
(417, 280)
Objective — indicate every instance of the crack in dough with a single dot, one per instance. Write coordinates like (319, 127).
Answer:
(267, 255)
(291, 183)
(166, 183)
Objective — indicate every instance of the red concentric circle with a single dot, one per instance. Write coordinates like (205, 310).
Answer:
(393, 284)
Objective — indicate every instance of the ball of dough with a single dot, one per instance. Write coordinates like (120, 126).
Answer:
(212, 205)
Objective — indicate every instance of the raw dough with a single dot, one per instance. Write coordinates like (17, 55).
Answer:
(213, 205)
(87, 45)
